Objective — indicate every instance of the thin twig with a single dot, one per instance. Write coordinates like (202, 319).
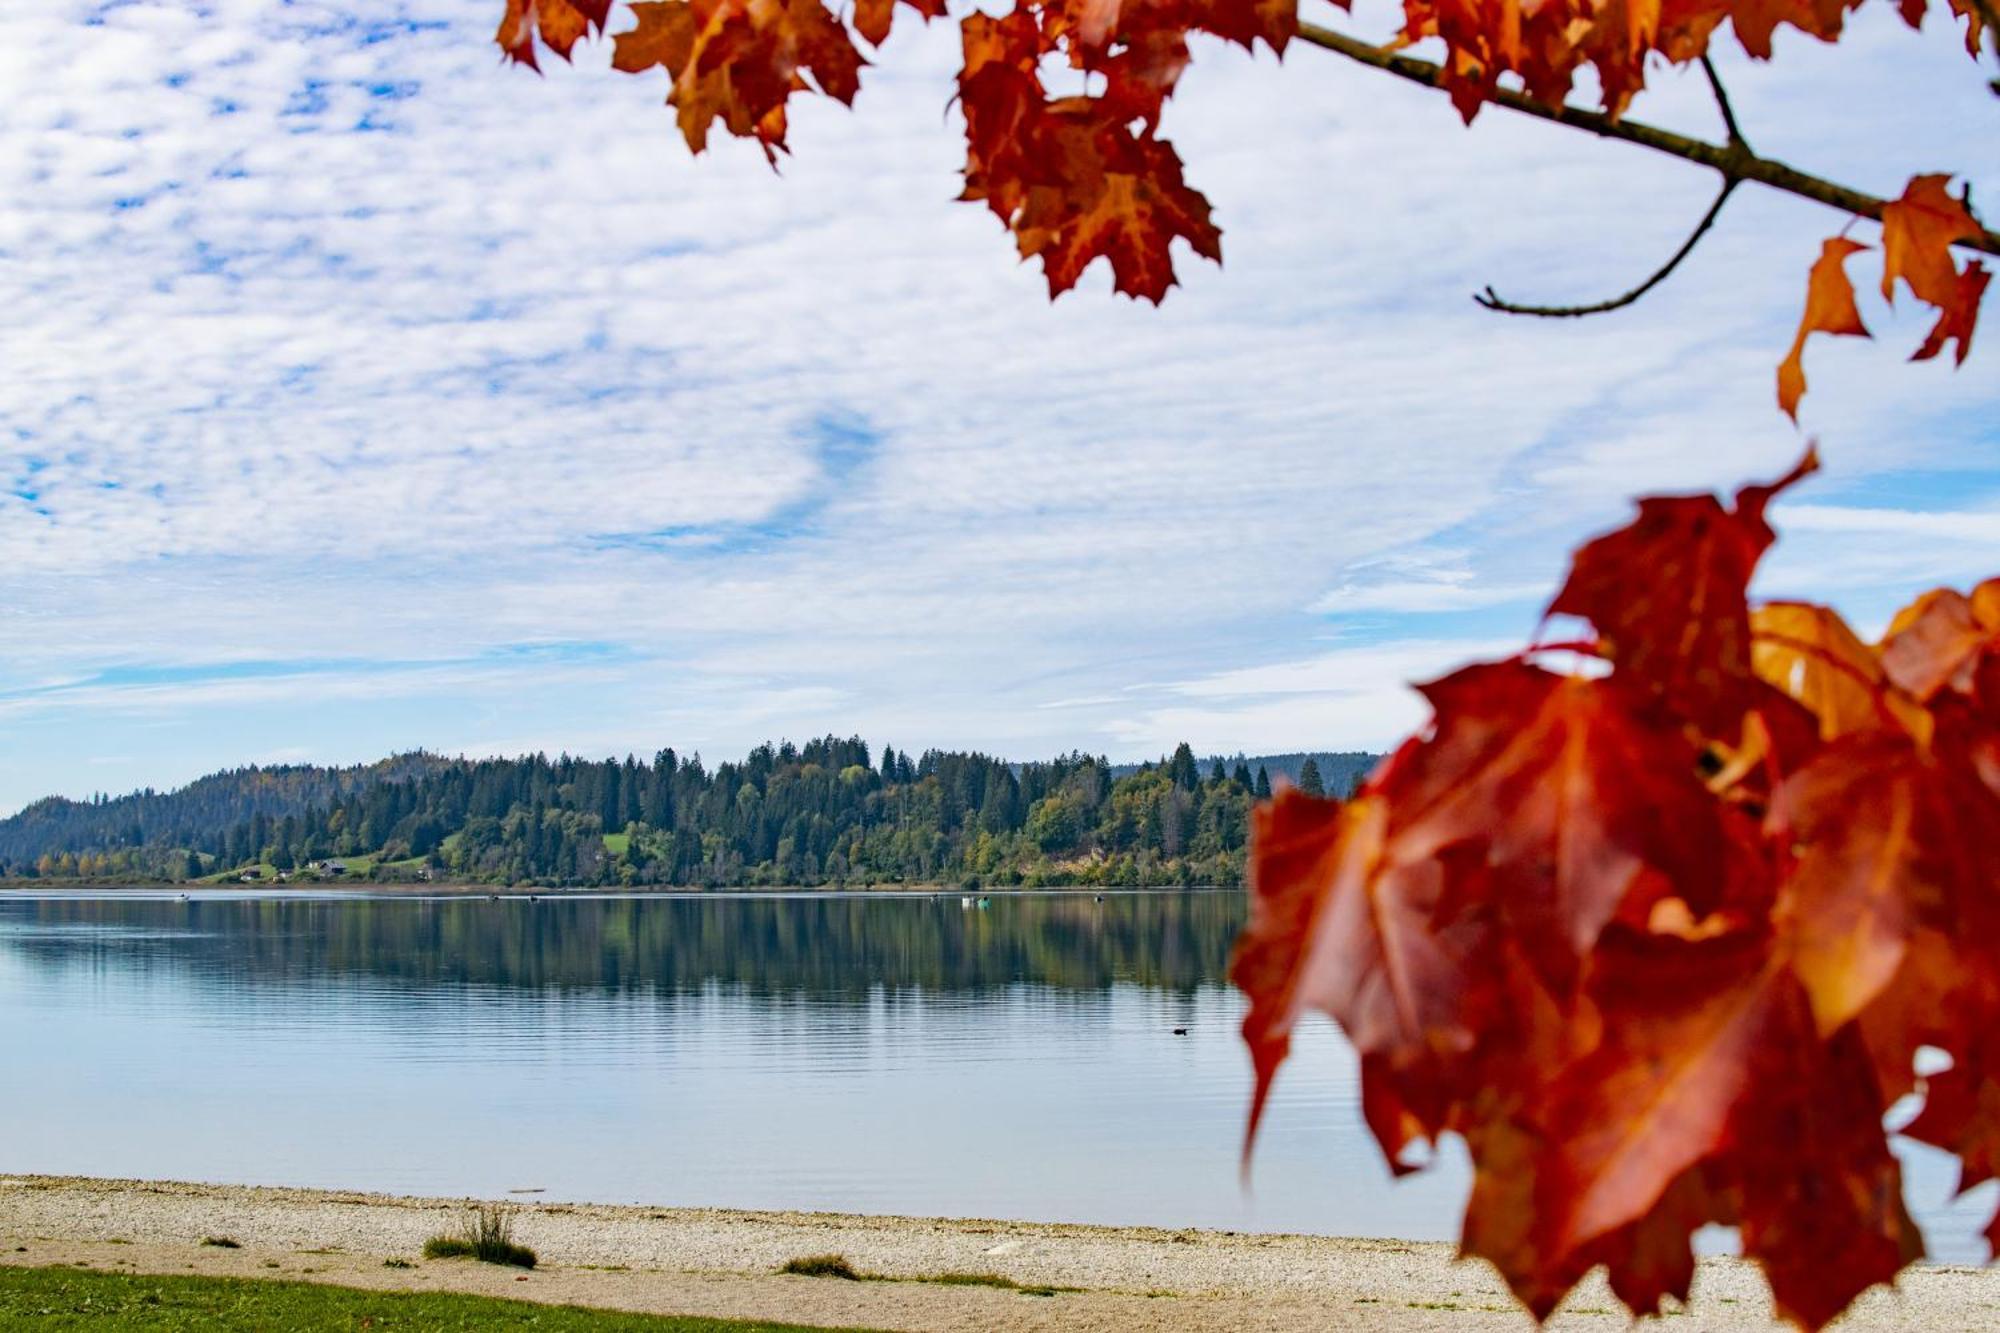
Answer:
(1493, 301)
(1722, 102)
(1731, 161)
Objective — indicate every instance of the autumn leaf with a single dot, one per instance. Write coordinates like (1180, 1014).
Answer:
(1069, 177)
(1857, 820)
(872, 18)
(1939, 640)
(1918, 231)
(740, 61)
(1810, 653)
(1958, 316)
(1685, 1025)
(1668, 598)
(1829, 309)
(1118, 196)
(1337, 925)
(1822, 1195)
(558, 24)
(1962, 1112)
(1917, 234)
(1572, 791)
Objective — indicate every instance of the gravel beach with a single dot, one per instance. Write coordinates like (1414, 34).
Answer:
(722, 1262)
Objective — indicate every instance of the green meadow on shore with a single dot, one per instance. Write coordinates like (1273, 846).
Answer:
(65, 1298)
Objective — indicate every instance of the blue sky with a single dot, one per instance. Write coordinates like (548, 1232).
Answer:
(365, 395)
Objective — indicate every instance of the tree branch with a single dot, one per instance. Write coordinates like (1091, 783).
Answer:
(1493, 301)
(1734, 162)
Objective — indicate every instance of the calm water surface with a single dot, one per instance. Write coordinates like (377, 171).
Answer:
(891, 1053)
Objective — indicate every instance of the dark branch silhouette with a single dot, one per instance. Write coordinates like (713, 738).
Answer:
(1733, 161)
(1493, 301)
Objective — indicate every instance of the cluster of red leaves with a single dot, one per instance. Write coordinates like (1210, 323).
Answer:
(1918, 231)
(1084, 176)
(1660, 939)
(1546, 45)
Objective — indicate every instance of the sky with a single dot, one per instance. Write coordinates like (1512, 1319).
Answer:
(364, 394)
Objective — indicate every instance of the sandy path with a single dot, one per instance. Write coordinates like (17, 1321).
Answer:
(720, 1262)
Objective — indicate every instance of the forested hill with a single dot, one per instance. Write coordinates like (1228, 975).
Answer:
(192, 815)
(825, 812)
(1338, 771)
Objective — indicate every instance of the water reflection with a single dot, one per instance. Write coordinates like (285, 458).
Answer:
(891, 1053)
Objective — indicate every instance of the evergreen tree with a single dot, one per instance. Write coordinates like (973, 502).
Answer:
(1263, 784)
(1181, 769)
(1241, 777)
(1215, 776)
(1309, 779)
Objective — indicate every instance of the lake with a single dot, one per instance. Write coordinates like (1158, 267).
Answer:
(892, 1053)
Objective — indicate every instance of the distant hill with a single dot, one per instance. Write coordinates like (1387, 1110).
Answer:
(184, 817)
(1338, 769)
(826, 811)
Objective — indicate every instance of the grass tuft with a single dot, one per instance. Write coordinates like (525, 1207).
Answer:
(821, 1265)
(222, 1242)
(994, 1280)
(487, 1234)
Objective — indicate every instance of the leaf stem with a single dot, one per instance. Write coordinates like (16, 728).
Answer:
(1734, 161)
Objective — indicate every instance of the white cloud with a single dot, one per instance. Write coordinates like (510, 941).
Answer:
(809, 448)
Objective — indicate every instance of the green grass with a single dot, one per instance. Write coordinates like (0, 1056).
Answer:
(63, 1298)
(835, 1265)
(821, 1265)
(487, 1235)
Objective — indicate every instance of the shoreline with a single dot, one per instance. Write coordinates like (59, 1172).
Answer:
(722, 1262)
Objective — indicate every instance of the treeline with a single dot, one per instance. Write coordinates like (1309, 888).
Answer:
(824, 812)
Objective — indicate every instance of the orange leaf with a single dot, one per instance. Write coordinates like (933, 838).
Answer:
(1070, 178)
(1337, 925)
(1667, 597)
(1119, 197)
(1809, 652)
(1917, 234)
(872, 18)
(1858, 819)
(1940, 639)
(1684, 1024)
(1918, 231)
(739, 61)
(1958, 316)
(1570, 790)
(1826, 1232)
(1962, 1112)
(558, 24)
(1829, 309)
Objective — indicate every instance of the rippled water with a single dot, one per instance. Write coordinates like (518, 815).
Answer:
(874, 1053)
